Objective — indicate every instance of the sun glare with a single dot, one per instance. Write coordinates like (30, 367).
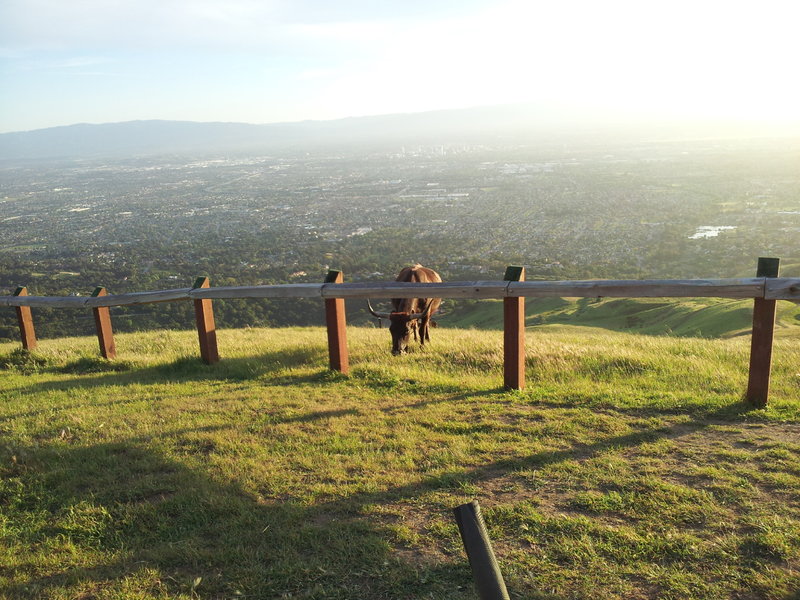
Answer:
(700, 60)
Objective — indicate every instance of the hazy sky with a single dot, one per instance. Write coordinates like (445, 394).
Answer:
(262, 61)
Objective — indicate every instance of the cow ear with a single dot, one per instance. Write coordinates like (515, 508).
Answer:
(433, 323)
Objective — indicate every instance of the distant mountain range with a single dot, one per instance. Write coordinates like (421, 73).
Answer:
(141, 138)
(499, 124)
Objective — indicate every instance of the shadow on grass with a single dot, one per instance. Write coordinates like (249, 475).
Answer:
(735, 412)
(273, 419)
(136, 515)
(127, 515)
(405, 408)
(94, 372)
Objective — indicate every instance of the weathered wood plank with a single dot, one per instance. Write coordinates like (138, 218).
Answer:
(45, 301)
(89, 302)
(783, 289)
(775, 289)
(140, 298)
(291, 290)
(653, 288)
(393, 289)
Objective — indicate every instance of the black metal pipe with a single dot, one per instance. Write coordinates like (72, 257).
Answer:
(485, 570)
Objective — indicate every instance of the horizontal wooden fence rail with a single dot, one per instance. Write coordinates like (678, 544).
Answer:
(717, 288)
(759, 287)
(783, 289)
(764, 289)
(94, 302)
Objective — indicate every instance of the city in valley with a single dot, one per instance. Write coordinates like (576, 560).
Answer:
(579, 210)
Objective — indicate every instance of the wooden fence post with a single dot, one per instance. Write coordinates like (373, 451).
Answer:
(514, 334)
(206, 330)
(25, 318)
(761, 340)
(335, 322)
(102, 322)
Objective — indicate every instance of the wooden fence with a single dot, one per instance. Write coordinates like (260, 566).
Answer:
(765, 289)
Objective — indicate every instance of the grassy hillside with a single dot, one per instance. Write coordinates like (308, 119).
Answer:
(690, 317)
(629, 468)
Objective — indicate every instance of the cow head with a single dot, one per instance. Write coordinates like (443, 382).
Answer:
(401, 326)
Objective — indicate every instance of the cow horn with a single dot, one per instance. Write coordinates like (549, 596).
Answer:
(423, 314)
(440, 313)
(377, 315)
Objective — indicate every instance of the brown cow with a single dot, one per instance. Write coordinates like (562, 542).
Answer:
(410, 314)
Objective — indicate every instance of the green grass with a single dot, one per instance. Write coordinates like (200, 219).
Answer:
(629, 468)
(690, 317)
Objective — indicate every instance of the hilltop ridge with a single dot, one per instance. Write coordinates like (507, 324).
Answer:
(689, 317)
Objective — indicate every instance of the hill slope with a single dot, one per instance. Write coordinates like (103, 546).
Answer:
(690, 317)
(628, 469)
